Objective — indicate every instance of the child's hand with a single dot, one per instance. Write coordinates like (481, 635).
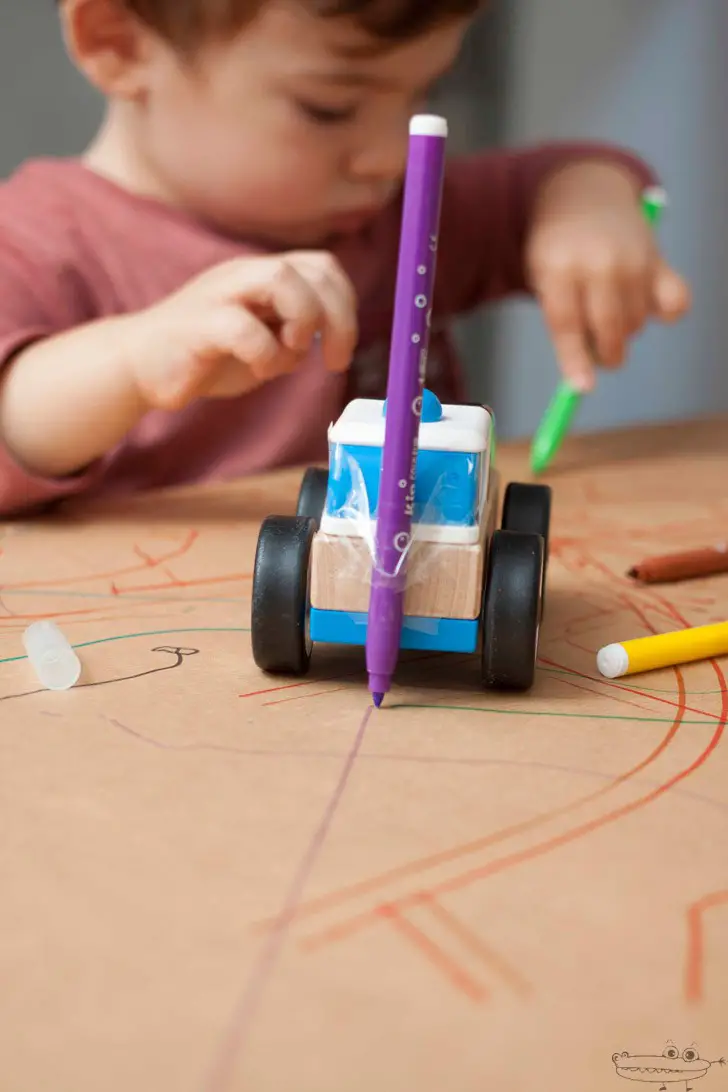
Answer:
(243, 323)
(594, 266)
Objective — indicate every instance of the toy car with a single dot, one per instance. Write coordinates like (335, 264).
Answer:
(472, 587)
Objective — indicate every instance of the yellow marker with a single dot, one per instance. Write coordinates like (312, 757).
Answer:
(663, 650)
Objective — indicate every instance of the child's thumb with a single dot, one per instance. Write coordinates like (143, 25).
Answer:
(671, 295)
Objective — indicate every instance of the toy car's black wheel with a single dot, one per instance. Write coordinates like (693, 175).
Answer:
(512, 610)
(280, 599)
(527, 508)
(312, 494)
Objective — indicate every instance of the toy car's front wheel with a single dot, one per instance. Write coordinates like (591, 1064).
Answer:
(512, 611)
(280, 599)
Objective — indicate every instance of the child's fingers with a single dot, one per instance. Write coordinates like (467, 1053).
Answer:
(339, 331)
(275, 288)
(636, 298)
(606, 319)
(246, 337)
(670, 294)
(562, 307)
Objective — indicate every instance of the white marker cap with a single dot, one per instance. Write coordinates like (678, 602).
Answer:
(53, 659)
(428, 125)
(612, 661)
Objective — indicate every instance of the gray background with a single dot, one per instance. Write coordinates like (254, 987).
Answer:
(651, 74)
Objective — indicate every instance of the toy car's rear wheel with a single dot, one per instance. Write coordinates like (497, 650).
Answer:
(280, 599)
(512, 610)
(312, 494)
(527, 508)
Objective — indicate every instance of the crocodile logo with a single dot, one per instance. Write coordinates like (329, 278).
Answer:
(671, 1067)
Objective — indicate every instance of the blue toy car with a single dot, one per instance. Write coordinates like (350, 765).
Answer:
(472, 586)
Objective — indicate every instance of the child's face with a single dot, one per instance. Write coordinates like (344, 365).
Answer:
(283, 133)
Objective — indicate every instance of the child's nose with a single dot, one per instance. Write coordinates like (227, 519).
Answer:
(382, 161)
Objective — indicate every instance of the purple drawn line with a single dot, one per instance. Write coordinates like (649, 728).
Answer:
(251, 996)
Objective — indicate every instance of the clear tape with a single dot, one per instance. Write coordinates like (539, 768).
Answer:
(421, 552)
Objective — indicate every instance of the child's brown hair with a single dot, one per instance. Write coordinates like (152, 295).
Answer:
(184, 21)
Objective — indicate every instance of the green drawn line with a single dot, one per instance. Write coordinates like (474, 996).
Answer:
(543, 713)
(147, 633)
(401, 705)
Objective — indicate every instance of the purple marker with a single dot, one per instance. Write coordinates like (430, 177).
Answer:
(407, 366)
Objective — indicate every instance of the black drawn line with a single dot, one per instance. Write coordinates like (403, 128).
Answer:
(179, 654)
(416, 760)
(160, 745)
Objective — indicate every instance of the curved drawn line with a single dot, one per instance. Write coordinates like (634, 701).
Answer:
(335, 898)
(633, 690)
(420, 759)
(357, 922)
(413, 868)
(179, 653)
(695, 961)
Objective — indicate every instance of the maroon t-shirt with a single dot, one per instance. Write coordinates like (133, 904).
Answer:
(76, 247)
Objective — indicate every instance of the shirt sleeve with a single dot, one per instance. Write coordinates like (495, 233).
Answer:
(41, 294)
(486, 209)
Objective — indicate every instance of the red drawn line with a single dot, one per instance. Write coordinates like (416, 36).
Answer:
(146, 558)
(600, 694)
(7, 626)
(630, 690)
(423, 864)
(579, 648)
(304, 697)
(53, 614)
(359, 921)
(597, 612)
(475, 945)
(432, 952)
(180, 551)
(195, 583)
(273, 689)
(695, 963)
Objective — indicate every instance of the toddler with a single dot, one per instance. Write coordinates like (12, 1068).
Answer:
(201, 292)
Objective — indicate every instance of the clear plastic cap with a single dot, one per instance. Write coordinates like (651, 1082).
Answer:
(52, 657)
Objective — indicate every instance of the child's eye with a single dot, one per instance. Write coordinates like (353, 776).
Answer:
(327, 115)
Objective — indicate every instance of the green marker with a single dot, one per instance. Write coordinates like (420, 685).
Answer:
(555, 422)
(554, 426)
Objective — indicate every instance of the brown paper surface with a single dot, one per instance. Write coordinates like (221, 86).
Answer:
(213, 880)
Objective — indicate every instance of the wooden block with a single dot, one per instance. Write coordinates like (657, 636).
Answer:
(445, 580)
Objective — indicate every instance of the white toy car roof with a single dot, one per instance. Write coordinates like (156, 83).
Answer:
(461, 428)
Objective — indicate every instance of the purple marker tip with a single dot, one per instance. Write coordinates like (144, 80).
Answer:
(378, 699)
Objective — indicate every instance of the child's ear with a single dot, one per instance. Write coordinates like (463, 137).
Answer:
(109, 45)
